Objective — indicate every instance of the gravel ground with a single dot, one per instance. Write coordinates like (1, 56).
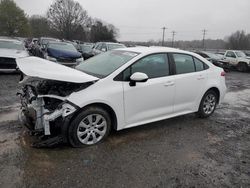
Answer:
(180, 152)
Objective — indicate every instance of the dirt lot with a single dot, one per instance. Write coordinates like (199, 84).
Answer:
(180, 152)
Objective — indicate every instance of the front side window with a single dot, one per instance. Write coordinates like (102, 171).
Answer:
(230, 54)
(183, 63)
(153, 66)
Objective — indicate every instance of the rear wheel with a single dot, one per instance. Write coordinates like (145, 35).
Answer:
(89, 127)
(208, 104)
(242, 67)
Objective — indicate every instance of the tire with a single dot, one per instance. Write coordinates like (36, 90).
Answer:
(208, 104)
(82, 132)
(242, 67)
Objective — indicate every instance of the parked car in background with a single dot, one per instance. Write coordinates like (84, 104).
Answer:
(237, 59)
(101, 47)
(118, 89)
(213, 58)
(63, 52)
(86, 50)
(10, 50)
(41, 45)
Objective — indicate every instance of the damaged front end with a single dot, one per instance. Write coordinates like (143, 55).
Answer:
(45, 110)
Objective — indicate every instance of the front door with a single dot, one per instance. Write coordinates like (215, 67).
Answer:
(152, 99)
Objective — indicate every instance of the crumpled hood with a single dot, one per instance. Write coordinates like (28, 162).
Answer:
(42, 68)
(62, 54)
(12, 53)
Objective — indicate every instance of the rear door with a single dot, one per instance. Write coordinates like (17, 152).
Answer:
(190, 80)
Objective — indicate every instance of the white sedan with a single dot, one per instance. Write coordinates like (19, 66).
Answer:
(118, 89)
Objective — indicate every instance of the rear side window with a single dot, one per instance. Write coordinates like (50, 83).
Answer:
(183, 63)
(199, 65)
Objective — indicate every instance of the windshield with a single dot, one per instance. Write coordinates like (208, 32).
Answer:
(240, 54)
(62, 46)
(115, 46)
(104, 64)
(12, 45)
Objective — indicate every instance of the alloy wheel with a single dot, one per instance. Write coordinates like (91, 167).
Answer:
(91, 129)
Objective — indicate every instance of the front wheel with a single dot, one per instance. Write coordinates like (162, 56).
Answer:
(208, 104)
(89, 127)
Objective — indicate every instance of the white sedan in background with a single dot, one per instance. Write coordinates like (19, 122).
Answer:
(118, 89)
(10, 50)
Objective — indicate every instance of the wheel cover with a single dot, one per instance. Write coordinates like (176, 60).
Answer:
(209, 104)
(91, 129)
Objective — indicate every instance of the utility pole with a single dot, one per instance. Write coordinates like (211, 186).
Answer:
(163, 35)
(204, 31)
(173, 34)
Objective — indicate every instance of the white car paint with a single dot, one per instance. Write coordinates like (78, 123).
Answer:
(145, 103)
(11, 53)
(42, 68)
(149, 101)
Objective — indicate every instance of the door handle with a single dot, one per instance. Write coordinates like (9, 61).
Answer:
(170, 83)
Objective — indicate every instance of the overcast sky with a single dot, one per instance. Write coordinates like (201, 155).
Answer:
(142, 20)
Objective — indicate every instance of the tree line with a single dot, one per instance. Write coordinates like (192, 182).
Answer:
(64, 19)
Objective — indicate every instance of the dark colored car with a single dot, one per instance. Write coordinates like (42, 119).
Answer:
(86, 50)
(40, 46)
(63, 53)
(213, 58)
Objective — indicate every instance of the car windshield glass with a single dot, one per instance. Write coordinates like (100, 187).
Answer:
(115, 46)
(11, 45)
(86, 48)
(240, 54)
(104, 64)
(62, 46)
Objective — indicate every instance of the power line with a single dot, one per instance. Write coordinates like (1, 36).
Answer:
(173, 34)
(204, 31)
(163, 35)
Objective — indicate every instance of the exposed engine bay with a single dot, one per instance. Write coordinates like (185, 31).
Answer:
(44, 105)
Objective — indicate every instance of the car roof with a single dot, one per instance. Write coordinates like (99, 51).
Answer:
(148, 50)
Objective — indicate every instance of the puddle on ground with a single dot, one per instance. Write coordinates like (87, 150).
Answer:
(238, 98)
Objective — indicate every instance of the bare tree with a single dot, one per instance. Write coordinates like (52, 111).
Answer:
(239, 41)
(66, 16)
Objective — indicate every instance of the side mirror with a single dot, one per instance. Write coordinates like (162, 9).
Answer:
(138, 77)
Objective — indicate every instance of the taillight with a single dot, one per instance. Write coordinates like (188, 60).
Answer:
(223, 73)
